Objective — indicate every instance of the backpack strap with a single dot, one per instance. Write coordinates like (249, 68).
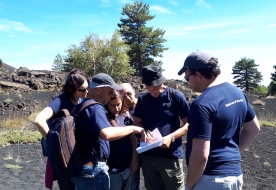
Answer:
(84, 105)
(87, 104)
(63, 112)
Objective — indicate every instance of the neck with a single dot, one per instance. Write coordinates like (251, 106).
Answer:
(74, 100)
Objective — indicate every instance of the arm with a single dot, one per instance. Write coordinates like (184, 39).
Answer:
(41, 121)
(115, 133)
(134, 160)
(146, 137)
(166, 141)
(197, 161)
(248, 133)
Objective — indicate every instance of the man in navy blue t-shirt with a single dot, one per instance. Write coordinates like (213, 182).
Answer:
(222, 125)
(93, 133)
(161, 107)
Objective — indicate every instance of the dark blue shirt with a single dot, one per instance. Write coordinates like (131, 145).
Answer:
(217, 115)
(120, 152)
(89, 123)
(60, 102)
(163, 113)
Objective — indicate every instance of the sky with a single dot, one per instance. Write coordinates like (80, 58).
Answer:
(33, 32)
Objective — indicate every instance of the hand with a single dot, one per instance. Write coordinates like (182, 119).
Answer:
(166, 141)
(147, 137)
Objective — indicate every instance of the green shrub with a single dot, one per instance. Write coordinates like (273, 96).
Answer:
(8, 100)
(261, 89)
(267, 123)
(10, 166)
(18, 136)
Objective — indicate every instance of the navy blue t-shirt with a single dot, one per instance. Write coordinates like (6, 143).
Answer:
(120, 152)
(217, 115)
(88, 126)
(163, 113)
(60, 102)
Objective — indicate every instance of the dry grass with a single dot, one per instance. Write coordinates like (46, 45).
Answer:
(14, 122)
(33, 116)
(258, 102)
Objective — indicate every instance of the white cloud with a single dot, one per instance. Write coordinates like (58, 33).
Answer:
(202, 3)
(237, 31)
(203, 26)
(271, 26)
(173, 2)
(105, 3)
(13, 25)
(160, 9)
(4, 27)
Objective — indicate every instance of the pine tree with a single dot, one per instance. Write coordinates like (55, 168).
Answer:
(58, 64)
(272, 85)
(145, 42)
(246, 74)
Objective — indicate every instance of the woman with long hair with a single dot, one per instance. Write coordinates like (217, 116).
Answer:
(123, 160)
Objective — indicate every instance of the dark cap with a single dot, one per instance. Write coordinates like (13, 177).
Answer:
(103, 80)
(196, 61)
(152, 75)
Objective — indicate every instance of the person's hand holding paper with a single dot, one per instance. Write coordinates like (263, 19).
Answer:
(152, 139)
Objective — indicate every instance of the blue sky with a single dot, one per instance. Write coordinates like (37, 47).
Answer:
(33, 32)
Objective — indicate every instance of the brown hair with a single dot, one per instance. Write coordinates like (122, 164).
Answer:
(111, 116)
(74, 80)
(212, 72)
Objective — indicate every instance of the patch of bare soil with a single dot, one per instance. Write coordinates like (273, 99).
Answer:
(258, 164)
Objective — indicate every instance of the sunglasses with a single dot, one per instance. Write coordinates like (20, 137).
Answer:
(186, 77)
(83, 89)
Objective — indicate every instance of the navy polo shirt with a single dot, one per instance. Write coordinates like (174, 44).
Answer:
(163, 113)
(88, 126)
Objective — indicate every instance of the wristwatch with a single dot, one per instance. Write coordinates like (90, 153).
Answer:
(173, 139)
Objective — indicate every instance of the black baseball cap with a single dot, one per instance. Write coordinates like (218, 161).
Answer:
(152, 75)
(103, 80)
(196, 61)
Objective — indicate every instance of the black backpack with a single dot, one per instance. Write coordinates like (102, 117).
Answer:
(63, 154)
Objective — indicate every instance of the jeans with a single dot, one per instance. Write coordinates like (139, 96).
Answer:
(219, 182)
(118, 183)
(93, 178)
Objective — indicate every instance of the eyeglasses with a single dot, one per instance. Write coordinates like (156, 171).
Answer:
(186, 77)
(128, 94)
(83, 89)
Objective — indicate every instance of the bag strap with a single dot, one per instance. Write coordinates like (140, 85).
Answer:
(85, 105)
(63, 112)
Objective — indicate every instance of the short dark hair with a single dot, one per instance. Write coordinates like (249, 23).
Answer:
(74, 80)
(211, 72)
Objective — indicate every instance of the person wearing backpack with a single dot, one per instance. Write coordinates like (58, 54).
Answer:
(74, 89)
(93, 133)
(161, 107)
